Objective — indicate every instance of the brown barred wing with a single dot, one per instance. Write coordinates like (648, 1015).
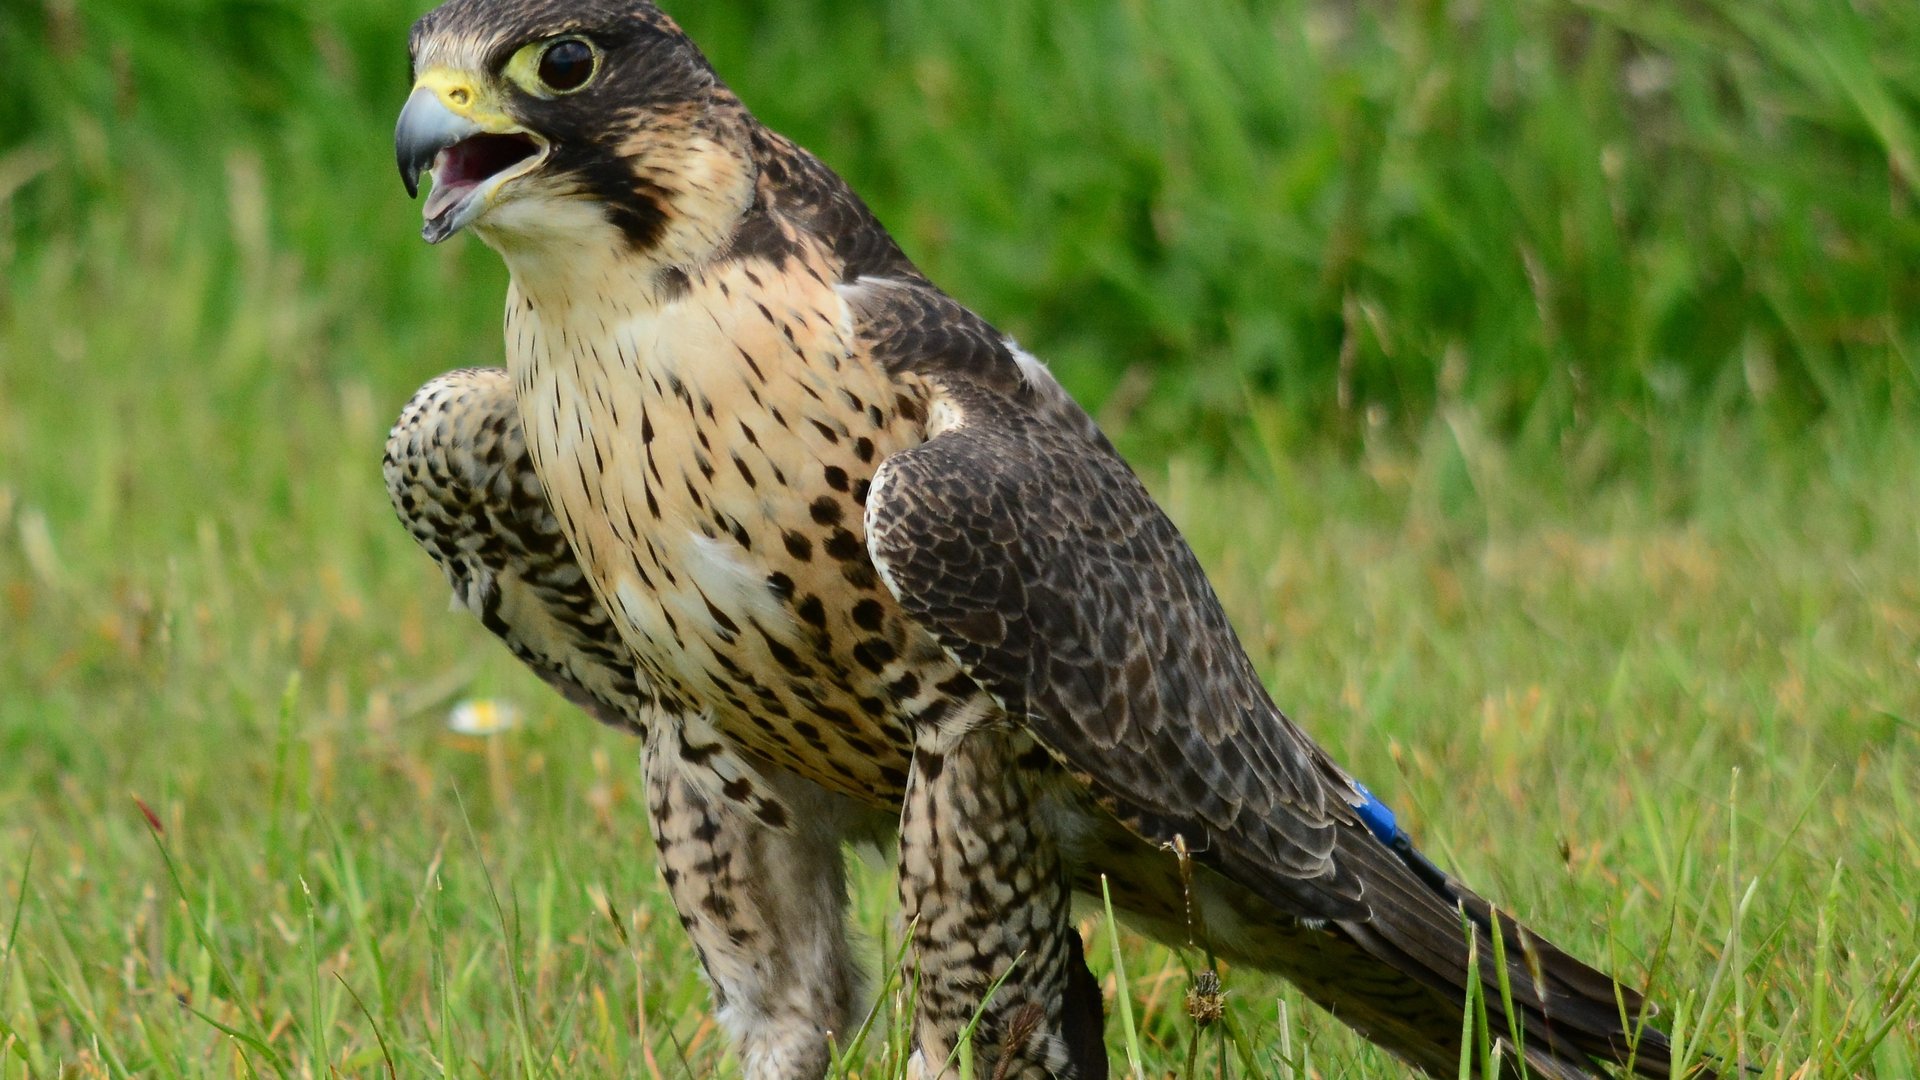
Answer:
(1034, 555)
(1036, 558)
(460, 479)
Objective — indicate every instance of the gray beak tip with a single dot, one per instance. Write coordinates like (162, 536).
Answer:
(425, 128)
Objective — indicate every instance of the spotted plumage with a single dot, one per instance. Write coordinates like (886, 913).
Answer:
(458, 475)
(851, 561)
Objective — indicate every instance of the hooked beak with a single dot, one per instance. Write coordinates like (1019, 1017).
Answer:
(468, 160)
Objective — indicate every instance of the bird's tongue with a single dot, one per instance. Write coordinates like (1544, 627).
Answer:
(467, 164)
(445, 194)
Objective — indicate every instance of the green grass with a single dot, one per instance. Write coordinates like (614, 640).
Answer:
(1538, 382)
(1660, 697)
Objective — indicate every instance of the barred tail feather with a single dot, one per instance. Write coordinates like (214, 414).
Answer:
(1401, 978)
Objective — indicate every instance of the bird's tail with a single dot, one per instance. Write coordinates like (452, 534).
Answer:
(1402, 977)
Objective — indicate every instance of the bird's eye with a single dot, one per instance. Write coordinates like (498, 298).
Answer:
(566, 65)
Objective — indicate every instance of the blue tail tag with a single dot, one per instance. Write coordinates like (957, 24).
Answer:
(1375, 815)
(1379, 821)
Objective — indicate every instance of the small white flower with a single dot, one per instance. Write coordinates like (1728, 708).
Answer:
(483, 716)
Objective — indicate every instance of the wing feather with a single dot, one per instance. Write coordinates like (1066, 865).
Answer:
(1030, 550)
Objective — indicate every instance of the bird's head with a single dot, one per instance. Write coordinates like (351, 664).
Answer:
(556, 123)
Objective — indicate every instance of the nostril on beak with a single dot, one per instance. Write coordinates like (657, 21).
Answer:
(425, 128)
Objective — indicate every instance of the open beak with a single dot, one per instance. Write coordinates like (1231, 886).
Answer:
(469, 159)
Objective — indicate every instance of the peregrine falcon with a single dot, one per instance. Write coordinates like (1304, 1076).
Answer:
(845, 558)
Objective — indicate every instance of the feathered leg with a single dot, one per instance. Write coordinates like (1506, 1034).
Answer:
(988, 899)
(752, 857)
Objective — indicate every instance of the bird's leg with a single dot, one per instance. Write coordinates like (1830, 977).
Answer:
(460, 479)
(752, 857)
(986, 894)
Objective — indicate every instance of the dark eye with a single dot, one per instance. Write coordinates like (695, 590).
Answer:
(566, 65)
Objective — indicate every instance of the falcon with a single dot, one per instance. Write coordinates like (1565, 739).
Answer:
(849, 561)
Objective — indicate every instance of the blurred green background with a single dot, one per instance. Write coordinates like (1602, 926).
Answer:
(1555, 210)
(1538, 380)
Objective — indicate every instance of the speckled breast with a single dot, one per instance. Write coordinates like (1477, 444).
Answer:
(709, 457)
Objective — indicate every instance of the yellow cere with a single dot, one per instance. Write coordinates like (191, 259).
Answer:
(464, 95)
